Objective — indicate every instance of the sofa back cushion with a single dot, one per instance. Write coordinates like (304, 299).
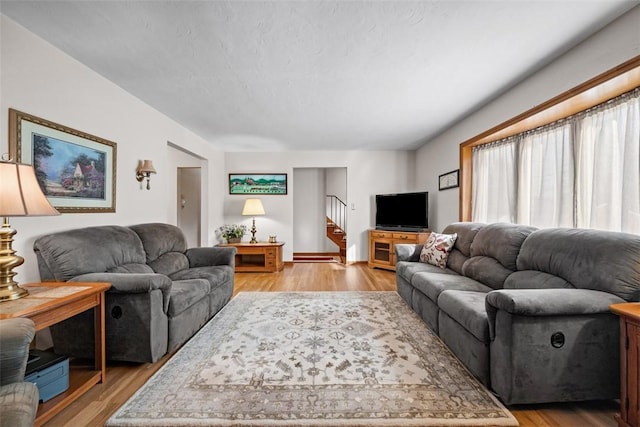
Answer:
(67, 254)
(587, 259)
(466, 232)
(164, 245)
(494, 252)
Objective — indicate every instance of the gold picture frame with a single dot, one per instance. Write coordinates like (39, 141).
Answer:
(76, 170)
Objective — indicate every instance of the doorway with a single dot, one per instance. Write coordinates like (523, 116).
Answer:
(313, 185)
(190, 204)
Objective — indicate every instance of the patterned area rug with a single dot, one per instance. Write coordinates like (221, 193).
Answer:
(313, 359)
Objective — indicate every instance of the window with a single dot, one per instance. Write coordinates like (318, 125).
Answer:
(598, 90)
(582, 171)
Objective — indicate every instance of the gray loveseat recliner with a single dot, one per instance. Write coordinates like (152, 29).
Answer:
(161, 292)
(18, 399)
(527, 310)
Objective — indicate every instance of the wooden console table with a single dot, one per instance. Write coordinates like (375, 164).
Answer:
(629, 363)
(258, 257)
(49, 303)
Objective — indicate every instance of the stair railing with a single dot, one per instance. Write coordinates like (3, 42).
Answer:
(337, 212)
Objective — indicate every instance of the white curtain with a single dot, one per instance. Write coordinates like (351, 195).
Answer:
(583, 171)
(546, 177)
(494, 181)
(608, 166)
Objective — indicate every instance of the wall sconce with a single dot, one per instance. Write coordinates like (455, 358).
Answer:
(145, 169)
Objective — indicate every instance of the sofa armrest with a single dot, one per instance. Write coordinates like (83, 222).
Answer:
(408, 252)
(15, 336)
(132, 283)
(547, 302)
(205, 257)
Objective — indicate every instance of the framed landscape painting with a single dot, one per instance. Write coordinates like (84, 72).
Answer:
(258, 183)
(76, 170)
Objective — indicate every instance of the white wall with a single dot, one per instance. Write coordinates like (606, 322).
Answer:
(613, 45)
(39, 79)
(336, 182)
(309, 230)
(368, 173)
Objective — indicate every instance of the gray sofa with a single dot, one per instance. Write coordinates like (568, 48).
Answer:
(161, 292)
(18, 399)
(527, 310)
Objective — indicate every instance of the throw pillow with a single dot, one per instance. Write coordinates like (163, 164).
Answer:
(436, 249)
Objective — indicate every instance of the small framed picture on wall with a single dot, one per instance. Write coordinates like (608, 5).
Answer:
(449, 180)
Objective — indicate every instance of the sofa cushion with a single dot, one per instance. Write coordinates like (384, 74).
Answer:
(164, 245)
(587, 259)
(215, 275)
(466, 232)
(407, 269)
(64, 255)
(494, 252)
(159, 239)
(436, 249)
(169, 263)
(185, 293)
(530, 279)
(468, 309)
(433, 284)
(132, 269)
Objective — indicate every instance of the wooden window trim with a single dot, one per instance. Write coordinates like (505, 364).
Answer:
(597, 90)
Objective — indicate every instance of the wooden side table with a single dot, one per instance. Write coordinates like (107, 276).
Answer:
(261, 257)
(629, 363)
(49, 303)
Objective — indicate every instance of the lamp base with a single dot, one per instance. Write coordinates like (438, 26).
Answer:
(12, 293)
(253, 232)
(9, 289)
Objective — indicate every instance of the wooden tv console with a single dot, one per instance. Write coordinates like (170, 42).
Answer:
(382, 246)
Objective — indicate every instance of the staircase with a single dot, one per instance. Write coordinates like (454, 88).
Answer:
(336, 225)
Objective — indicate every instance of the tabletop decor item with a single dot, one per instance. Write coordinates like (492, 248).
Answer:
(232, 233)
(253, 207)
(20, 195)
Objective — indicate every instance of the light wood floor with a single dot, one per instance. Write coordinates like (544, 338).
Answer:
(95, 407)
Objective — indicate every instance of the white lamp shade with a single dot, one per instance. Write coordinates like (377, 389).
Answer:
(253, 207)
(20, 193)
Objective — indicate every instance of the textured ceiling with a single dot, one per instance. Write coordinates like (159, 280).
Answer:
(315, 75)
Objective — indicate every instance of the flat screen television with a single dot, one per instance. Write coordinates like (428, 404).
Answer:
(402, 211)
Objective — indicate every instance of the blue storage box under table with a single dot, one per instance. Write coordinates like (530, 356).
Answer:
(49, 372)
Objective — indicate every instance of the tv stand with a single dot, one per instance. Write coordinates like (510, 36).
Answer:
(404, 229)
(382, 246)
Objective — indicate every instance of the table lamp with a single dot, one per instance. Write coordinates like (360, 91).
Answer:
(253, 207)
(20, 195)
